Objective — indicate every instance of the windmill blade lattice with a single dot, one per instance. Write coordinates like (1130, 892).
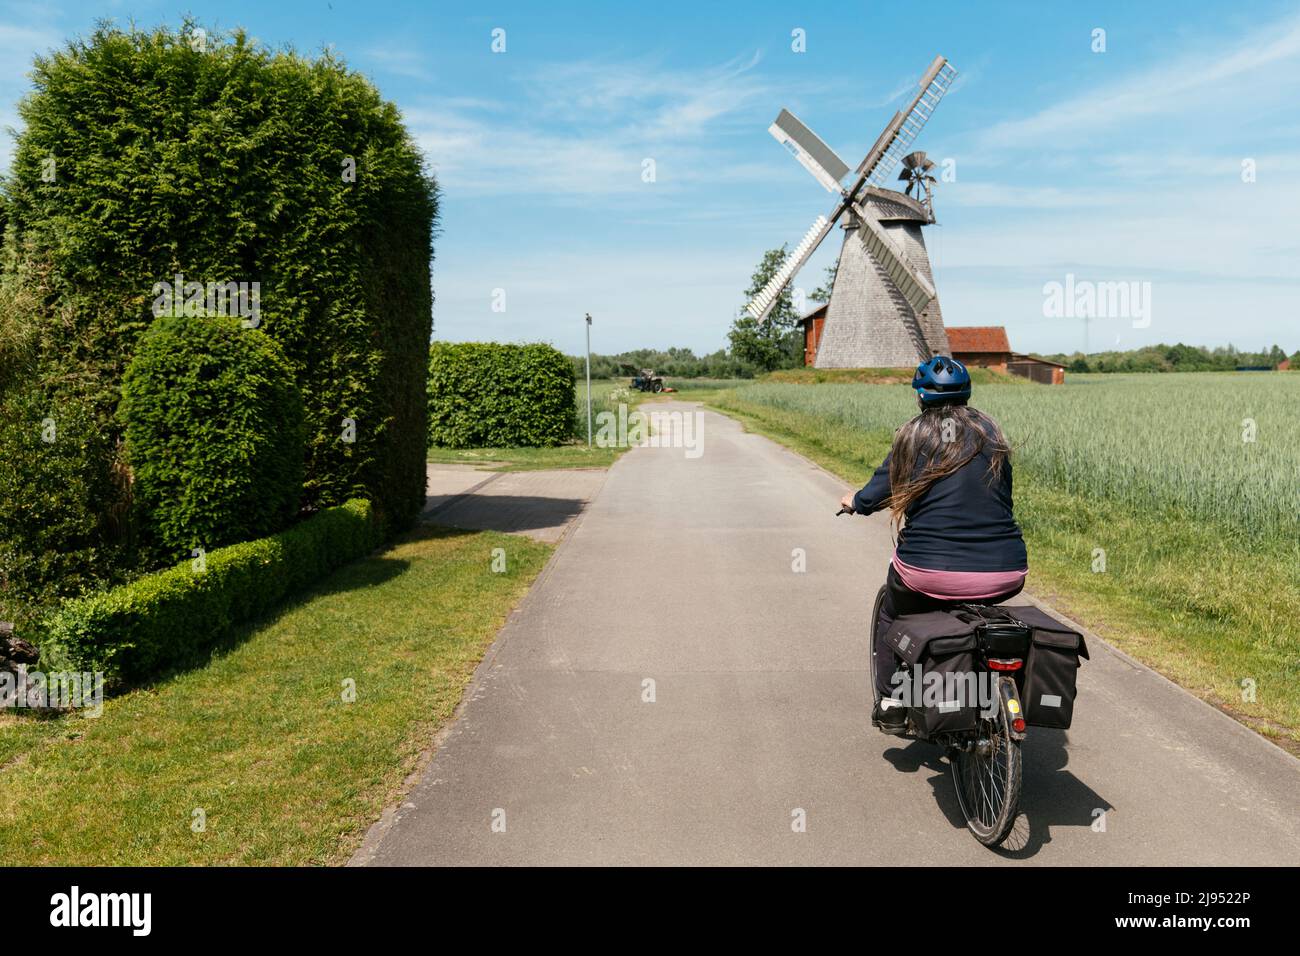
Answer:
(905, 127)
(762, 304)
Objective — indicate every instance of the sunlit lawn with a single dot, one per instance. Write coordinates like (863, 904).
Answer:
(261, 740)
(528, 459)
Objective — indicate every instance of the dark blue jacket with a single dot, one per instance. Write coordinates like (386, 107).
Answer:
(961, 523)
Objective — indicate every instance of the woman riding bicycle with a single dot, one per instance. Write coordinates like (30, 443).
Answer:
(947, 481)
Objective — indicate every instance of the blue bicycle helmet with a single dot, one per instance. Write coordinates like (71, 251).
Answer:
(941, 380)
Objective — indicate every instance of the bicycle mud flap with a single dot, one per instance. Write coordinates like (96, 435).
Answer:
(1050, 679)
(1012, 708)
(940, 685)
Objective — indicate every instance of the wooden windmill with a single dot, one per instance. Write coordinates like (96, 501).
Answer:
(884, 310)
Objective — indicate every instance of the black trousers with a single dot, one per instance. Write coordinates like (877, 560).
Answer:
(900, 599)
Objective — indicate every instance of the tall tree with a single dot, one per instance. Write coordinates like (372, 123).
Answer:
(776, 342)
(822, 293)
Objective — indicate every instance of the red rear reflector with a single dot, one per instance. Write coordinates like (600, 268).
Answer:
(1018, 725)
(1005, 665)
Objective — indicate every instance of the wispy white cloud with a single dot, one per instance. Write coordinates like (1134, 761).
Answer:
(657, 297)
(1138, 177)
(399, 61)
(1017, 196)
(27, 31)
(587, 128)
(1221, 232)
(1178, 86)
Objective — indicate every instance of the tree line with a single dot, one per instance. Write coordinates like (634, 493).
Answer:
(776, 343)
(1175, 358)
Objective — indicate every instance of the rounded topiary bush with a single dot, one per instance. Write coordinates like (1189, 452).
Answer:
(214, 433)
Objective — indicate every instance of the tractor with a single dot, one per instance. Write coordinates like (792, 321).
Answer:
(645, 380)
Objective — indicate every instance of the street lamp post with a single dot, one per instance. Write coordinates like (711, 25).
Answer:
(588, 381)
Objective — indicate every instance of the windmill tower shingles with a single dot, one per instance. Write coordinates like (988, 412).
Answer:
(884, 310)
(870, 323)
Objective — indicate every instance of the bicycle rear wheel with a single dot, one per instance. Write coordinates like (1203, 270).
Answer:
(987, 778)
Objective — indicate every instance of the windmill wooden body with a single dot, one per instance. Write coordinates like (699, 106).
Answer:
(884, 310)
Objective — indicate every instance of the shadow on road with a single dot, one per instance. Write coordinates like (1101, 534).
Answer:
(508, 513)
(1051, 795)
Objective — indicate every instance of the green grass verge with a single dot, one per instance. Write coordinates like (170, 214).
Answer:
(528, 459)
(1175, 594)
(261, 739)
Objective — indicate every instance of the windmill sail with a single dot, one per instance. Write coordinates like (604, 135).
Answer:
(916, 288)
(762, 303)
(903, 129)
(814, 155)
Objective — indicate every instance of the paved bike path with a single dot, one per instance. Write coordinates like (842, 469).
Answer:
(681, 572)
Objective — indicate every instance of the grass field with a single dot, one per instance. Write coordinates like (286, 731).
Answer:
(1151, 442)
(261, 740)
(572, 455)
(1198, 527)
(606, 394)
(878, 376)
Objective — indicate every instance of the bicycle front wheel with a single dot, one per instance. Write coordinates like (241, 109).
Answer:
(871, 650)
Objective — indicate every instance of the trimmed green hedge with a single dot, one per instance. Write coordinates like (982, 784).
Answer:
(489, 395)
(170, 618)
(144, 154)
(58, 502)
(214, 434)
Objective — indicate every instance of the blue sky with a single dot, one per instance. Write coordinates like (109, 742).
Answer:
(1117, 166)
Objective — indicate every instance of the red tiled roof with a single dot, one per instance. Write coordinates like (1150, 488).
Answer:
(977, 338)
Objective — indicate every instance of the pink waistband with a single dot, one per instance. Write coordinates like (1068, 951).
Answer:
(958, 585)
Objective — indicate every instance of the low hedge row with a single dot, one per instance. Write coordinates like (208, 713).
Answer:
(169, 618)
(490, 395)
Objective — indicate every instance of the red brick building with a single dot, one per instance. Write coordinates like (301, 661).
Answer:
(985, 346)
(812, 324)
(1038, 369)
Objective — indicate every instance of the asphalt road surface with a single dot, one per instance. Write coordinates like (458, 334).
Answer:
(681, 572)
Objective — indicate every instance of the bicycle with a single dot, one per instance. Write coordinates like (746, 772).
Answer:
(985, 761)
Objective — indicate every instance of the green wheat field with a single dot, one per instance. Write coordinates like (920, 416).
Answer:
(1217, 447)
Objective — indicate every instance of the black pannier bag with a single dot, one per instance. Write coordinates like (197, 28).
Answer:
(1048, 687)
(944, 645)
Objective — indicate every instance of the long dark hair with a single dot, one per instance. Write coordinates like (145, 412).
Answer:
(947, 437)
